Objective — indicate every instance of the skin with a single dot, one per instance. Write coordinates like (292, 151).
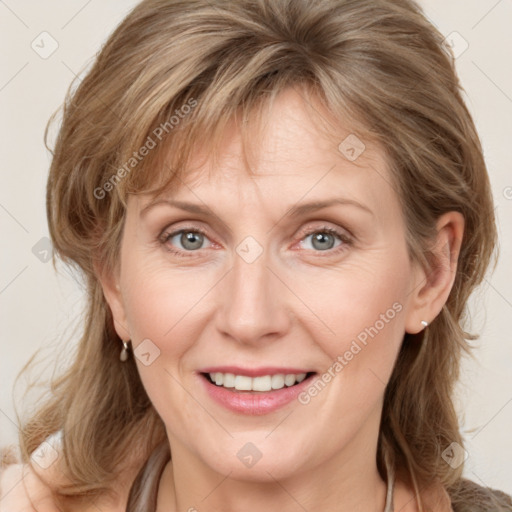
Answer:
(295, 305)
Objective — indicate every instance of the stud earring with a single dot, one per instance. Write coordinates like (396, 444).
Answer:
(124, 351)
(424, 323)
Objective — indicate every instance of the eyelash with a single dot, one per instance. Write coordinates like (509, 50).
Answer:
(166, 236)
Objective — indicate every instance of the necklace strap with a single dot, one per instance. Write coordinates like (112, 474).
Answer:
(390, 474)
(144, 491)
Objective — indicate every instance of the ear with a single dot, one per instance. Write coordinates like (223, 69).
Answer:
(109, 281)
(433, 285)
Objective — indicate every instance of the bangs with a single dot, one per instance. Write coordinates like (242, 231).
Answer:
(186, 135)
(174, 149)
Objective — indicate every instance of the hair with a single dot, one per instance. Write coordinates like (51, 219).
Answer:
(169, 79)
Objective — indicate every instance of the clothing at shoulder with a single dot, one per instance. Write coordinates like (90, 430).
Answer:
(465, 496)
(468, 496)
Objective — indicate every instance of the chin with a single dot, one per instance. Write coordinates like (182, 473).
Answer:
(257, 462)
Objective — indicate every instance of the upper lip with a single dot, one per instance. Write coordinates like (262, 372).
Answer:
(253, 372)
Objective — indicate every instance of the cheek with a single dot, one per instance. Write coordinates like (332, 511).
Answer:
(160, 301)
(367, 318)
(361, 304)
(365, 312)
(163, 311)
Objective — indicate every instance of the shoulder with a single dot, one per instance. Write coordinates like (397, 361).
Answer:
(21, 490)
(27, 487)
(30, 487)
(468, 496)
(464, 496)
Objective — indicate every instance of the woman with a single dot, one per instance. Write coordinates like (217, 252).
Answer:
(202, 163)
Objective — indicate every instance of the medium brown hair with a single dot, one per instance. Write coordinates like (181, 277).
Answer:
(377, 63)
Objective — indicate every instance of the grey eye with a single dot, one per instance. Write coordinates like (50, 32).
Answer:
(189, 240)
(322, 240)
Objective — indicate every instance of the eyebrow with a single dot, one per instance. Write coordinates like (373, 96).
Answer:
(294, 211)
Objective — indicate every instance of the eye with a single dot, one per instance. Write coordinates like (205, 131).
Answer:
(324, 238)
(191, 240)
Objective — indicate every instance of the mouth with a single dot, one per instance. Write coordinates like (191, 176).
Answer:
(264, 391)
(269, 383)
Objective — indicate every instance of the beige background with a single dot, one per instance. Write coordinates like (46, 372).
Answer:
(39, 308)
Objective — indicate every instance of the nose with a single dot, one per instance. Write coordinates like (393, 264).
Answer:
(253, 304)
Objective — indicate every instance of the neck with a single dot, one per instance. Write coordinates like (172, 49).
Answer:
(348, 481)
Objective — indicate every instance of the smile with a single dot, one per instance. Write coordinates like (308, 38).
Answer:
(262, 383)
(263, 392)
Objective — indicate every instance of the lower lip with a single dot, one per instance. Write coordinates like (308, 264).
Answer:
(254, 402)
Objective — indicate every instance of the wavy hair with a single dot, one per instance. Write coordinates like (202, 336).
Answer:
(379, 65)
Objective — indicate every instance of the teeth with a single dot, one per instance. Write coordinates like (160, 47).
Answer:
(243, 383)
(277, 381)
(289, 380)
(229, 380)
(262, 383)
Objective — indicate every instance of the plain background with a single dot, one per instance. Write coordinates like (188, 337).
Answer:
(39, 308)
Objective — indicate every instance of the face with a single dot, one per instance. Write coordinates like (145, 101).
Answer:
(258, 287)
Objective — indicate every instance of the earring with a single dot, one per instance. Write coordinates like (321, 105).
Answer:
(124, 351)
(424, 323)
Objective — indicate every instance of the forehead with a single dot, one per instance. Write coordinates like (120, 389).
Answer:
(294, 153)
(294, 142)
